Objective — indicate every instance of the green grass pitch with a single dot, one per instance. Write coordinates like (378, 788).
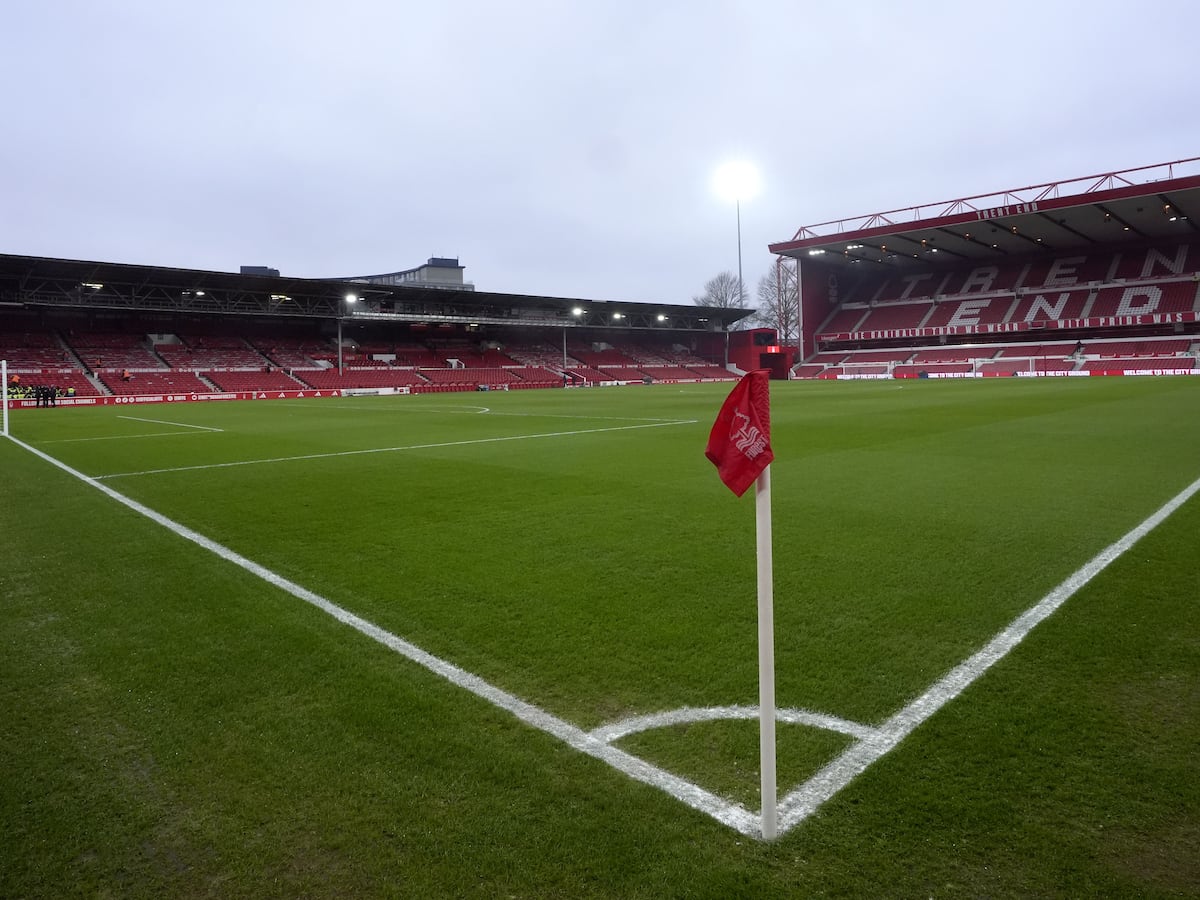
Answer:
(172, 725)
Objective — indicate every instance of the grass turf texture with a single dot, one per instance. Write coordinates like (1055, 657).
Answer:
(174, 726)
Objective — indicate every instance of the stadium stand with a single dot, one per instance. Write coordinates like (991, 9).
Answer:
(1111, 257)
(493, 377)
(113, 352)
(292, 353)
(213, 351)
(331, 380)
(587, 375)
(714, 373)
(624, 373)
(242, 380)
(162, 382)
(1170, 363)
(535, 376)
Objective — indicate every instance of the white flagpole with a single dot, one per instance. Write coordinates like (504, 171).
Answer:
(766, 655)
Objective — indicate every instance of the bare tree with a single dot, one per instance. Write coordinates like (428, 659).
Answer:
(779, 305)
(722, 291)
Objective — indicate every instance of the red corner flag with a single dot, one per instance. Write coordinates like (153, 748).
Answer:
(739, 444)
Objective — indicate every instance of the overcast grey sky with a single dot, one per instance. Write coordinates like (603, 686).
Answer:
(560, 148)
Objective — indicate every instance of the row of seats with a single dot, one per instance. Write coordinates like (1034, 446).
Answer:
(1069, 269)
(978, 313)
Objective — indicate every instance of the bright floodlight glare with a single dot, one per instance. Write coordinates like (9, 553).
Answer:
(352, 298)
(736, 181)
(577, 311)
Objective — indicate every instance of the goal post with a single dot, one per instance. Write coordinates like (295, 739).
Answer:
(4, 395)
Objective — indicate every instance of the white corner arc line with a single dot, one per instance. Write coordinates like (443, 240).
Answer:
(805, 800)
(309, 456)
(689, 714)
(732, 814)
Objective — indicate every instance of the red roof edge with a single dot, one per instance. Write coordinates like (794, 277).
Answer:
(1053, 195)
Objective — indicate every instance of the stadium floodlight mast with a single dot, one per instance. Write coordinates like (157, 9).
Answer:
(737, 181)
(350, 299)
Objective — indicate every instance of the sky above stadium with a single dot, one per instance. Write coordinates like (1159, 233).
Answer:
(556, 148)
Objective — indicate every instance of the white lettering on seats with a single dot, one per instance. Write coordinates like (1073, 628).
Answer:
(1150, 297)
(1052, 310)
(1174, 266)
(968, 312)
(911, 282)
(1064, 271)
(981, 279)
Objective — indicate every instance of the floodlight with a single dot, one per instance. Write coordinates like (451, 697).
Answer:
(737, 181)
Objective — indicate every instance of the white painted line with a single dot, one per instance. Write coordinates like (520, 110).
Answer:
(476, 410)
(348, 406)
(872, 743)
(728, 813)
(134, 437)
(805, 800)
(589, 418)
(308, 456)
(617, 730)
(175, 424)
(122, 437)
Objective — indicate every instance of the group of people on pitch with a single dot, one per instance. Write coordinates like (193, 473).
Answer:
(44, 394)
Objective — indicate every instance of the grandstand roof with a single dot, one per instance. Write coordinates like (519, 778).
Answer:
(1149, 203)
(42, 281)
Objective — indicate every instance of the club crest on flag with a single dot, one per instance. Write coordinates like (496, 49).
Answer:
(748, 439)
(739, 444)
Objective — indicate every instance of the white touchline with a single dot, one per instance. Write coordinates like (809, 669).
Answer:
(491, 440)
(176, 424)
(872, 742)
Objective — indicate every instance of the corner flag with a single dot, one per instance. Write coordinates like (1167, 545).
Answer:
(740, 442)
(740, 447)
